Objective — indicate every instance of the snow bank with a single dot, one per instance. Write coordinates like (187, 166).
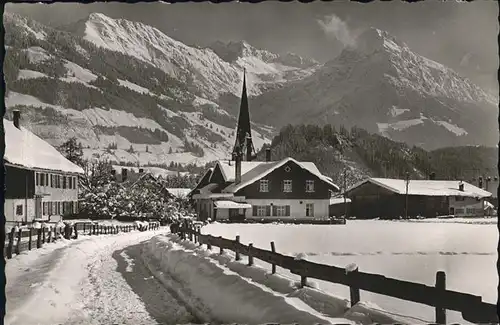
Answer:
(254, 290)
(217, 294)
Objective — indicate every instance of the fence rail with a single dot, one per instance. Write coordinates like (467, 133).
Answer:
(472, 308)
(24, 239)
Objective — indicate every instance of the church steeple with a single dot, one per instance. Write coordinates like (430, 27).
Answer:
(243, 143)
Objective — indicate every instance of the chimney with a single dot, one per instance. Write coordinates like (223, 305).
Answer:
(124, 174)
(432, 176)
(237, 169)
(461, 186)
(16, 116)
(268, 154)
(480, 182)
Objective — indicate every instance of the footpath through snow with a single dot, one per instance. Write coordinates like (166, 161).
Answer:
(91, 280)
(219, 288)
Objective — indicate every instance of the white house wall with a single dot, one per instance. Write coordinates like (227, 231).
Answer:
(460, 207)
(10, 209)
(297, 210)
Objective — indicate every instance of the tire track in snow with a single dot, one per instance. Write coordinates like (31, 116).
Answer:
(84, 287)
(161, 304)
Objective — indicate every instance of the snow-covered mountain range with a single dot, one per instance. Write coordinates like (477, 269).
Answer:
(382, 86)
(131, 93)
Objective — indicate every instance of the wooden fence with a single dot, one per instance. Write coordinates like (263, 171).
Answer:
(472, 308)
(24, 239)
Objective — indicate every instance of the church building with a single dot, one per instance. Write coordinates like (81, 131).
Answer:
(243, 188)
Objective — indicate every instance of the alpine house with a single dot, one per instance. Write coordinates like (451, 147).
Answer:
(242, 188)
(40, 183)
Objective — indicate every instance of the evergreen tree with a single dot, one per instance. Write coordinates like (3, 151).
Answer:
(73, 151)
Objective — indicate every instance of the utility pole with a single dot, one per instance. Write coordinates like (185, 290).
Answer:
(407, 180)
(345, 189)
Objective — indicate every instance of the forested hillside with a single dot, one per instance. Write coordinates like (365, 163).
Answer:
(365, 154)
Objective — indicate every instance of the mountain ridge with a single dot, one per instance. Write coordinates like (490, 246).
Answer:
(367, 83)
(127, 108)
(120, 106)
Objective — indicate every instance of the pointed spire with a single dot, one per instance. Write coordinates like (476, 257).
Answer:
(243, 141)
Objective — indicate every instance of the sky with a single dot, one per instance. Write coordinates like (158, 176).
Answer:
(461, 35)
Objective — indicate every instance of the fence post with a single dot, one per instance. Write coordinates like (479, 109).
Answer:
(303, 279)
(352, 272)
(18, 243)
(209, 245)
(76, 230)
(250, 256)
(29, 240)
(43, 236)
(39, 238)
(190, 230)
(11, 242)
(221, 249)
(237, 248)
(50, 235)
(273, 249)
(440, 287)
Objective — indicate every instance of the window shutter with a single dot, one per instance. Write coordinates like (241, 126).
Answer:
(287, 212)
(268, 210)
(254, 210)
(282, 186)
(275, 212)
(269, 185)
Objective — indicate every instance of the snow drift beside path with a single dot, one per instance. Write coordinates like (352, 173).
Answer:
(231, 291)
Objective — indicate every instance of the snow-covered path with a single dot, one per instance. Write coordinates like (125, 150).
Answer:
(93, 280)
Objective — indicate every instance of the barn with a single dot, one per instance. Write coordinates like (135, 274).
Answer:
(389, 198)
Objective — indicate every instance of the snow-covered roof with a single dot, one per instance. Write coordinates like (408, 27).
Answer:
(231, 205)
(155, 171)
(426, 187)
(262, 169)
(179, 192)
(339, 200)
(23, 148)
(228, 168)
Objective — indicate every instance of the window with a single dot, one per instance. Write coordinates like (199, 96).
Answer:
(64, 182)
(19, 210)
(37, 176)
(459, 198)
(287, 186)
(42, 179)
(74, 182)
(309, 210)
(281, 211)
(264, 185)
(262, 210)
(51, 180)
(309, 186)
(75, 207)
(470, 211)
(70, 181)
(59, 208)
(45, 208)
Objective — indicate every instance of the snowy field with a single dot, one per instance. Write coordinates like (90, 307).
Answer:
(411, 251)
